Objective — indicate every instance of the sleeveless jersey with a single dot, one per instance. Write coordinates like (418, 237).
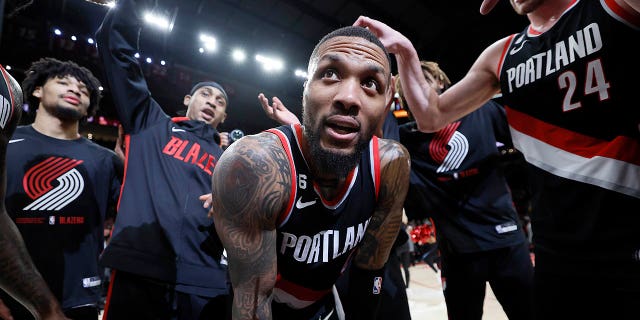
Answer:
(456, 178)
(569, 94)
(316, 237)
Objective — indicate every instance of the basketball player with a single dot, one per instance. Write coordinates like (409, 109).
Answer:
(296, 204)
(457, 179)
(60, 185)
(18, 275)
(167, 257)
(566, 81)
(393, 301)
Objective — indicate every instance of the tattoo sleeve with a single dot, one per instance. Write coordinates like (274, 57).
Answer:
(251, 187)
(387, 218)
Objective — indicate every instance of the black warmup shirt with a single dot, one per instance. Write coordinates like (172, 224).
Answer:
(456, 179)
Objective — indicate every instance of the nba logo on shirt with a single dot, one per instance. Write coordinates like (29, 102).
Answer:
(377, 285)
(52, 220)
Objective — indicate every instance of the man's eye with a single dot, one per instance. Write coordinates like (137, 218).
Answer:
(371, 84)
(330, 74)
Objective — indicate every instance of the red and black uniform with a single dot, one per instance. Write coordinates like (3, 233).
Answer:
(58, 193)
(581, 139)
(162, 238)
(316, 237)
(456, 178)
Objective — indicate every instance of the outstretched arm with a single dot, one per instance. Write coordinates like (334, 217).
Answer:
(431, 111)
(251, 187)
(117, 40)
(381, 232)
(277, 111)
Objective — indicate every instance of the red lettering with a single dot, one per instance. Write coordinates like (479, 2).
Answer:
(172, 146)
(201, 161)
(211, 164)
(182, 146)
(192, 155)
(71, 220)
(29, 220)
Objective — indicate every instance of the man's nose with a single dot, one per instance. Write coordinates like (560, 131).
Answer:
(348, 94)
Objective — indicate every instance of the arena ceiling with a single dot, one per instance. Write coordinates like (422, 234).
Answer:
(450, 32)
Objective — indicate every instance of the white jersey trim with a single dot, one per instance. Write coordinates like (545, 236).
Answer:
(608, 173)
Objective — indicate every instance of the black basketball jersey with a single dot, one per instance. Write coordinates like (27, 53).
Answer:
(571, 100)
(315, 236)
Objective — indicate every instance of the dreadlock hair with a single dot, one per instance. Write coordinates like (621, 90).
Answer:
(428, 68)
(49, 68)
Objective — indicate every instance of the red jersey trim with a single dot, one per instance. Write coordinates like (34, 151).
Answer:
(621, 148)
(618, 11)
(284, 216)
(504, 54)
(342, 194)
(298, 291)
(178, 119)
(127, 142)
(375, 164)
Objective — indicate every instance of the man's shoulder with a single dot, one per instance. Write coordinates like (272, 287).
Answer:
(392, 149)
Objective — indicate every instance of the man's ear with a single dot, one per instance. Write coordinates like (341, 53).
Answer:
(392, 91)
(37, 92)
(186, 100)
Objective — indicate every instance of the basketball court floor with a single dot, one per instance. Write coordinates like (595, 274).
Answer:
(426, 300)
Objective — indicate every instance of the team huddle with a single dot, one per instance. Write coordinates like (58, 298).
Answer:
(303, 220)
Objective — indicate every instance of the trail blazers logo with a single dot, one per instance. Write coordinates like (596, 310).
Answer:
(449, 148)
(53, 183)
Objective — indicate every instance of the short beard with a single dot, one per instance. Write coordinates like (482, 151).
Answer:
(68, 114)
(330, 162)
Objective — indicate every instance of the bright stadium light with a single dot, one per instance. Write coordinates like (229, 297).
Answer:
(270, 63)
(209, 43)
(238, 55)
(158, 21)
(301, 73)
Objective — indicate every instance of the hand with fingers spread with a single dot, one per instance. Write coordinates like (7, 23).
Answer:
(277, 111)
(393, 40)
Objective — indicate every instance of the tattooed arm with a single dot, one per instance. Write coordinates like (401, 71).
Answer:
(251, 186)
(385, 223)
(18, 275)
(386, 220)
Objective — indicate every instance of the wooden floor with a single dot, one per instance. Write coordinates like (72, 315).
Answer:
(427, 302)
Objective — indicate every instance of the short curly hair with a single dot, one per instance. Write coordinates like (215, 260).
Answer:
(428, 67)
(49, 68)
